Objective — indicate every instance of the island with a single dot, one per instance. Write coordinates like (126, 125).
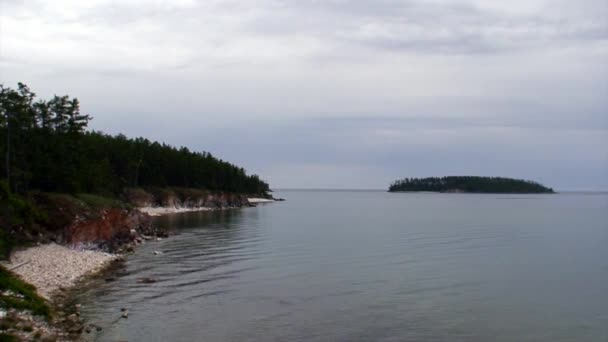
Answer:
(469, 184)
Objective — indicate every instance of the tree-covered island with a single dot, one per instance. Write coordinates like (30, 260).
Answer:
(471, 184)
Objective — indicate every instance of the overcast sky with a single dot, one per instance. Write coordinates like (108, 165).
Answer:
(334, 94)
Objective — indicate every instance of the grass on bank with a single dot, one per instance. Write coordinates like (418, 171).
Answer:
(17, 294)
(99, 202)
(5, 337)
(36, 216)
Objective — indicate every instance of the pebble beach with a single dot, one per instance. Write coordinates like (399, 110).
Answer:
(52, 267)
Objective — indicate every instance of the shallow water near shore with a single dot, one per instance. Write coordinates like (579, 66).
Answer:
(370, 266)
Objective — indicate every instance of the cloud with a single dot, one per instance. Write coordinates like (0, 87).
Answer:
(317, 88)
(423, 26)
(144, 34)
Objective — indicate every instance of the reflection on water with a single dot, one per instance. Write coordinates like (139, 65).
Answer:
(194, 264)
(346, 266)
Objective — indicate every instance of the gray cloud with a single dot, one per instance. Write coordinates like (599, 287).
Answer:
(422, 26)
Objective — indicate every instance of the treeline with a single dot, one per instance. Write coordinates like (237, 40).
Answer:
(469, 184)
(48, 148)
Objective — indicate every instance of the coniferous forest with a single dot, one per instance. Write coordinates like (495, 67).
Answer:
(48, 148)
(474, 184)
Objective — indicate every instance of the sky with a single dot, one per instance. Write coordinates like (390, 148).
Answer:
(335, 93)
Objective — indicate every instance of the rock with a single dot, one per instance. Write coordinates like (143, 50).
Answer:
(146, 280)
(48, 337)
(125, 314)
(133, 232)
(159, 239)
(94, 326)
(76, 330)
(73, 318)
(158, 252)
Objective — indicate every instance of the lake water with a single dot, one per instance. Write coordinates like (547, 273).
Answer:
(369, 266)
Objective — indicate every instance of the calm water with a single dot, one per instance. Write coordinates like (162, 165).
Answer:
(370, 266)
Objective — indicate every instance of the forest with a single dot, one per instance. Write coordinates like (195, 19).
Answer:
(473, 184)
(47, 147)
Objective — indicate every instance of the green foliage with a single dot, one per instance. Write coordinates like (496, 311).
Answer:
(469, 184)
(95, 201)
(16, 214)
(55, 211)
(50, 150)
(5, 244)
(5, 337)
(28, 299)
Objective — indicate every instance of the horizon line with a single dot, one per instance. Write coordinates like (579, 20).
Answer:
(379, 189)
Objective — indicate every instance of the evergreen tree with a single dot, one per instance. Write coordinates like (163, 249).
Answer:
(469, 184)
(50, 149)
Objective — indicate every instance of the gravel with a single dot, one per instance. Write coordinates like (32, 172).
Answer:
(158, 211)
(51, 267)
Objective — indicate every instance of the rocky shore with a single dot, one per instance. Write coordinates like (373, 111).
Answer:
(53, 267)
(55, 270)
(177, 208)
(83, 241)
(27, 327)
(159, 211)
(260, 200)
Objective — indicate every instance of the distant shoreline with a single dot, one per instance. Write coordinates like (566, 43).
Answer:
(470, 184)
(474, 192)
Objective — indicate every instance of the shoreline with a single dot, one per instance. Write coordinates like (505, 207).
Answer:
(160, 211)
(255, 200)
(53, 270)
(52, 267)
(56, 269)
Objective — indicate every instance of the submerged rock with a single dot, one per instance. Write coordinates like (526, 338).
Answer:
(146, 280)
